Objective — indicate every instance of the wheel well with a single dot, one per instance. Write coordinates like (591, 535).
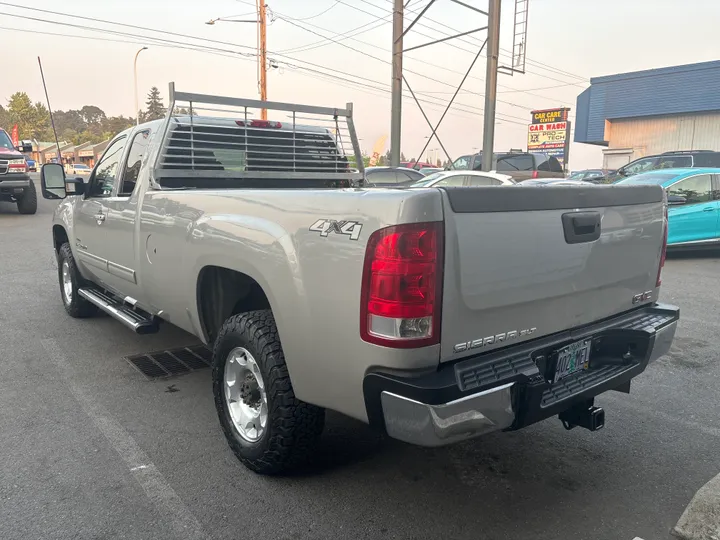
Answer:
(222, 293)
(59, 237)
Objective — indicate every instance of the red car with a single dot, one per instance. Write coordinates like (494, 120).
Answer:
(416, 164)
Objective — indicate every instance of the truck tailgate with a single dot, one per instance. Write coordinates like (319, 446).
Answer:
(523, 262)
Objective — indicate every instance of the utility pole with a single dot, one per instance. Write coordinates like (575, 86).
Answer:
(262, 57)
(397, 84)
(493, 52)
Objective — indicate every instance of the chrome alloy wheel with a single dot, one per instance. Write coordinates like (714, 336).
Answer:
(67, 283)
(245, 395)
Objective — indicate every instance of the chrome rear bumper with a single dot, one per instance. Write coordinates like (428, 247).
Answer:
(438, 425)
(429, 418)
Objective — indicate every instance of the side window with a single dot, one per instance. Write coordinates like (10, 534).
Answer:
(708, 159)
(453, 181)
(673, 161)
(106, 171)
(555, 165)
(132, 167)
(411, 175)
(382, 177)
(515, 163)
(639, 166)
(697, 189)
(462, 163)
(479, 181)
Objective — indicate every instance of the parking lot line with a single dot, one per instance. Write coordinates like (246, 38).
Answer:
(168, 503)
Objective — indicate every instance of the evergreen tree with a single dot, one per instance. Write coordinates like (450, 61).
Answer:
(155, 107)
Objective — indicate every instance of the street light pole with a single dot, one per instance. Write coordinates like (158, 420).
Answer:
(261, 47)
(493, 52)
(137, 106)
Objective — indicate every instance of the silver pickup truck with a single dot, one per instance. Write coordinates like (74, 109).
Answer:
(434, 314)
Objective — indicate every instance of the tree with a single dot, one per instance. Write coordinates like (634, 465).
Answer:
(32, 120)
(155, 107)
(92, 114)
(182, 111)
(70, 121)
(4, 118)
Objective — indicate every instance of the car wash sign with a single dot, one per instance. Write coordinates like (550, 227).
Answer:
(549, 133)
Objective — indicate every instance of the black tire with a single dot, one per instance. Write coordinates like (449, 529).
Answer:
(77, 307)
(27, 204)
(293, 427)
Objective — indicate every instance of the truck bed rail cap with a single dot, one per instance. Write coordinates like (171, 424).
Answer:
(528, 198)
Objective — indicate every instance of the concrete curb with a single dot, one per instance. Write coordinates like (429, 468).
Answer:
(701, 519)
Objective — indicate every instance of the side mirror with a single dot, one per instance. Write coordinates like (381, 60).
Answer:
(24, 148)
(56, 186)
(52, 181)
(676, 200)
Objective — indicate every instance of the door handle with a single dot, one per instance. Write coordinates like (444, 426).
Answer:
(708, 209)
(100, 218)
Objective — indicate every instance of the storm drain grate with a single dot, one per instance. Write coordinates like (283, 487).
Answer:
(172, 362)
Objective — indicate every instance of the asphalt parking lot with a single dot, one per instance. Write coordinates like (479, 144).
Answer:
(90, 449)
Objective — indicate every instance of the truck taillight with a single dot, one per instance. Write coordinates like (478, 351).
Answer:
(663, 253)
(402, 286)
(535, 174)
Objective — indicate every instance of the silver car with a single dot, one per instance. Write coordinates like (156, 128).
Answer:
(465, 179)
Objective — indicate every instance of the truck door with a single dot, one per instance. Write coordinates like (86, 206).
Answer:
(91, 214)
(118, 229)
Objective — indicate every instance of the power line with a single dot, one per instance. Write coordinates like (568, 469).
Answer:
(508, 53)
(319, 14)
(454, 46)
(463, 40)
(168, 44)
(245, 56)
(340, 35)
(185, 36)
(290, 21)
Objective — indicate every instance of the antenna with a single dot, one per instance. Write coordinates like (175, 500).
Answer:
(52, 121)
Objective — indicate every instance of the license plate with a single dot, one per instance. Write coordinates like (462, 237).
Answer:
(573, 358)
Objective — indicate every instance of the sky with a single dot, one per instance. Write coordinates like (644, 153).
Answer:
(569, 41)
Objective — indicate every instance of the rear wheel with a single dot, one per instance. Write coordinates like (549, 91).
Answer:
(27, 204)
(70, 281)
(267, 427)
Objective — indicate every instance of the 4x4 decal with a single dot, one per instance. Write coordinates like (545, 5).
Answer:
(327, 226)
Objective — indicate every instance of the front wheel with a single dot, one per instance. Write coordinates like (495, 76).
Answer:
(27, 204)
(267, 427)
(70, 281)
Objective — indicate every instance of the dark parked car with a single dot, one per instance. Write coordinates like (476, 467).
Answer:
(668, 160)
(391, 176)
(590, 175)
(520, 165)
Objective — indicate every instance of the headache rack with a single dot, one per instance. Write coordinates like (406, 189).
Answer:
(212, 142)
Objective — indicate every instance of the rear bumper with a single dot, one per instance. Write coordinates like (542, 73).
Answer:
(509, 389)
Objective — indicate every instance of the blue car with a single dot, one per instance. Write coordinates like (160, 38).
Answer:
(694, 204)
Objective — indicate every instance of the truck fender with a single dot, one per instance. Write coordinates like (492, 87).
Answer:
(261, 250)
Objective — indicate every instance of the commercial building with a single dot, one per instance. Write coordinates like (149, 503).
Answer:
(650, 112)
(87, 153)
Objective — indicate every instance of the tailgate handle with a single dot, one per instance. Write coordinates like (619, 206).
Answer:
(581, 227)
